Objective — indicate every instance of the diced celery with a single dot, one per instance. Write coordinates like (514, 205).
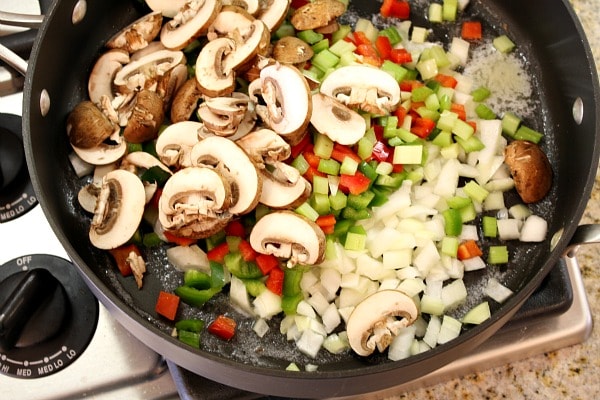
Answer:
(323, 146)
(310, 36)
(462, 129)
(435, 12)
(320, 184)
(349, 166)
(384, 168)
(447, 120)
(503, 44)
(425, 112)
(480, 94)
(475, 191)
(490, 226)
(285, 29)
(484, 112)
(340, 47)
(450, 245)
(396, 70)
(432, 102)
(341, 33)
(356, 238)
(320, 46)
(365, 148)
(419, 34)
(458, 202)
(468, 213)
(320, 203)
(427, 68)
(325, 60)
(421, 93)
(406, 136)
(338, 201)
(391, 33)
(408, 154)
(471, 144)
(477, 314)
(443, 139)
(393, 180)
(452, 151)
(526, 133)
(449, 10)
(306, 210)
(510, 124)
(347, 59)
(300, 164)
(439, 55)
(353, 214)
(497, 255)
(329, 166)
(366, 26)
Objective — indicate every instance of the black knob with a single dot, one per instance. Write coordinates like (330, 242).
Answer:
(34, 310)
(12, 157)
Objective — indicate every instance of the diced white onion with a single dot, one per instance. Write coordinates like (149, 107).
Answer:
(188, 257)
(534, 229)
(260, 327)
(497, 291)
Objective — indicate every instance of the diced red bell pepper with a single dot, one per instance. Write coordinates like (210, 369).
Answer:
(471, 30)
(459, 110)
(311, 172)
(301, 146)
(400, 56)
(401, 113)
(468, 249)
(410, 84)
(274, 281)
(248, 253)
(223, 327)
(422, 127)
(155, 198)
(179, 240)
(369, 54)
(326, 220)
(121, 253)
(235, 228)
(395, 8)
(167, 305)
(361, 38)
(384, 47)
(218, 252)
(266, 262)
(381, 151)
(341, 151)
(311, 158)
(415, 105)
(354, 184)
(295, 4)
(473, 124)
(446, 80)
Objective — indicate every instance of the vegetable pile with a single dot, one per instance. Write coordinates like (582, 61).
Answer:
(343, 177)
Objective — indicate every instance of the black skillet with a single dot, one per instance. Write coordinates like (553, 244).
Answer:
(551, 42)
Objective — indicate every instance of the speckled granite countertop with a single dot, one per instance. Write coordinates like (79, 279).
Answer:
(569, 373)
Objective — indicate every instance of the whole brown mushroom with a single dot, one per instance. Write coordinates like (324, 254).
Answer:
(530, 169)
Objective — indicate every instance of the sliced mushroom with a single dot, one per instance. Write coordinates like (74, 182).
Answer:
(87, 197)
(223, 115)
(191, 21)
(170, 83)
(251, 6)
(287, 98)
(109, 151)
(247, 183)
(281, 194)
(138, 162)
(370, 89)
(87, 126)
(377, 319)
(251, 36)
(146, 118)
(292, 50)
(265, 147)
(103, 74)
(213, 78)
(333, 119)
(530, 169)
(316, 14)
(290, 236)
(138, 34)
(168, 8)
(145, 72)
(175, 143)
(274, 13)
(194, 202)
(118, 211)
(185, 100)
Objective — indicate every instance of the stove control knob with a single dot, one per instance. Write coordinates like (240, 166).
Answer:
(34, 311)
(12, 158)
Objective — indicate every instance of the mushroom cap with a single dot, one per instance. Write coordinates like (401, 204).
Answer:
(138, 34)
(213, 78)
(185, 101)
(340, 123)
(103, 153)
(530, 168)
(168, 8)
(194, 202)
(288, 100)
(371, 89)
(274, 14)
(316, 14)
(118, 211)
(247, 183)
(87, 126)
(174, 144)
(289, 235)
(146, 118)
(373, 311)
(292, 50)
(103, 73)
(182, 30)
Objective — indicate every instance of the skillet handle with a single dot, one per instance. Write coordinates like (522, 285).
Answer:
(585, 234)
(13, 59)
(21, 20)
